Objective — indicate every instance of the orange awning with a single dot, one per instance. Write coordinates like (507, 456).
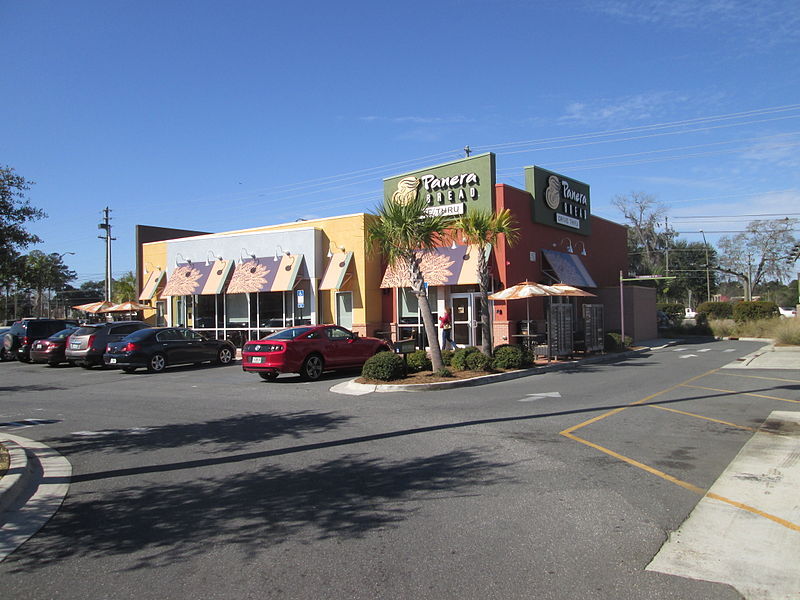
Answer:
(440, 266)
(336, 271)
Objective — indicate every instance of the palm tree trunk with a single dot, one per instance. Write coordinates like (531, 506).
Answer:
(483, 283)
(417, 280)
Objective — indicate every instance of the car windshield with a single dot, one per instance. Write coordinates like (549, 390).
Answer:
(62, 334)
(140, 334)
(86, 330)
(289, 334)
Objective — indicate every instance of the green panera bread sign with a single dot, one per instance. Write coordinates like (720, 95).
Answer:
(450, 189)
(558, 201)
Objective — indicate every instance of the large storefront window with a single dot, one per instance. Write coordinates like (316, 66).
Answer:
(244, 316)
(409, 320)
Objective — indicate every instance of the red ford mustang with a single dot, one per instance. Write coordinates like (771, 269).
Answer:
(308, 350)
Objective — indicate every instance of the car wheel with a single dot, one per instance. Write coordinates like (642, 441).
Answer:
(128, 369)
(268, 376)
(157, 363)
(224, 356)
(4, 355)
(312, 367)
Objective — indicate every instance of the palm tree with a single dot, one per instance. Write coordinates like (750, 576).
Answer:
(125, 288)
(403, 233)
(479, 228)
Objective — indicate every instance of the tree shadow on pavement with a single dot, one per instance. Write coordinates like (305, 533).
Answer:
(160, 524)
(228, 434)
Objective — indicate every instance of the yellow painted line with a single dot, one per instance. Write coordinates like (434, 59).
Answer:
(755, 511)
(696, 416)
(700, 387)
(684, 484)
(642, 401)
(761, 377)
(568, 433)
(636, 463)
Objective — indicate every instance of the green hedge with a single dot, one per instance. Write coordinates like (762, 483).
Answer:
(459, 360)
(753, 311)
(509, 357)
(612, 342)
(418, 361)
(716, 310)
(384, 366)
(478, 361)
(674, 311)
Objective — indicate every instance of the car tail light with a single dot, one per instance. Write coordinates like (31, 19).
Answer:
(264, 347)
(25, 340)
(130, 347)
(90, 343)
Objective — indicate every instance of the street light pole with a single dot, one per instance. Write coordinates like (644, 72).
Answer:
(708, 276)
(60, 256)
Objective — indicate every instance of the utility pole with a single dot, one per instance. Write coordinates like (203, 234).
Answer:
(106, 226)
(708, 275)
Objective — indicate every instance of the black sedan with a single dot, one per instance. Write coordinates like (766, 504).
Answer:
(158, 347)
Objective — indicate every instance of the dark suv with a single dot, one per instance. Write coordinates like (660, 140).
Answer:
(18, 340)
(86, 345)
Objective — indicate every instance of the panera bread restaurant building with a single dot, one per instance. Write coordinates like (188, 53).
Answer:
(245, 284)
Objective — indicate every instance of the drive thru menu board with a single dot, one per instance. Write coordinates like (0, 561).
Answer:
(559, 330)
(593, 327)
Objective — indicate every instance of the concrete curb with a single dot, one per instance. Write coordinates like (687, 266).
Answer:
(37, 497)
(16, 479)
(351, 388)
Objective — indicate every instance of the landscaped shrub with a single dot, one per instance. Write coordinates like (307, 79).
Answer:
(447, 357)
(418, 361)
(675, 312)
(384, 366)
(612, 342)
(478, 361)
(509, 357)
(444, 372)
(716, 310)
(459, 361)
(752, 311)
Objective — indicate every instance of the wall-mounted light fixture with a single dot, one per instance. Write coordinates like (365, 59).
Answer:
(332, 244)
(569, 244)
(186, 260)
(245, 252)
(211, 257)
(278, 251)
(583, 247)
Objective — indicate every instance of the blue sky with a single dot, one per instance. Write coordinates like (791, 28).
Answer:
(224, 115)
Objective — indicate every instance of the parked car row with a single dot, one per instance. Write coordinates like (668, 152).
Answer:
(308, 350)
(121, 344)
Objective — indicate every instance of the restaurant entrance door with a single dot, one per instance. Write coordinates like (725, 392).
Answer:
(466, 314)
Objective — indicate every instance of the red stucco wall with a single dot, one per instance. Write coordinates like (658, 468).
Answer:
(606, 255)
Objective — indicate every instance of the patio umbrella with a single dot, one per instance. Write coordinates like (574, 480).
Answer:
(125, 307)
(570, 290)
(93, 307)
(526, 289)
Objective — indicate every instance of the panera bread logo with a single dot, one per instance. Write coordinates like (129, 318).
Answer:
(406, 191)
(552, 195)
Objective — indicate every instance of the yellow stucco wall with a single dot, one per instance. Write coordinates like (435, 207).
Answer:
(346, 230)
(154, 255)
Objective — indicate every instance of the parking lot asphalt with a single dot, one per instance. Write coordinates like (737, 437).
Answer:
(752, 500)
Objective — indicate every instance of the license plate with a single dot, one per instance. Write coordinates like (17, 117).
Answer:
(257, 360)
(37, 346)
(112, 361)
(75, 345)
